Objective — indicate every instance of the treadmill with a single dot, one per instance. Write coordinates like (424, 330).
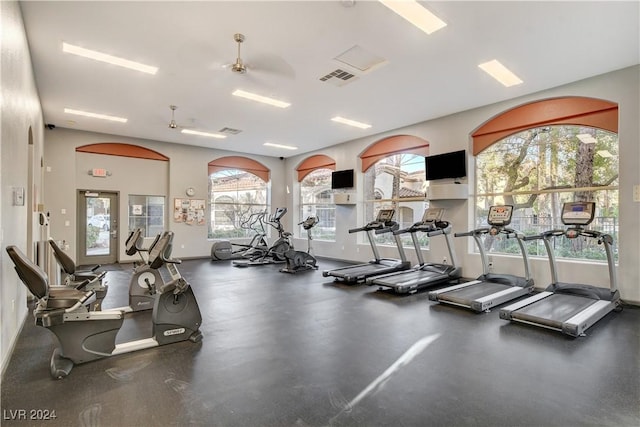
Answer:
(356, 273)
(489, 290)
(568, 307)
(424, 274)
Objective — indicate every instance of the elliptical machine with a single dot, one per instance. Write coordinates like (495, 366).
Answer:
(275, 253)
(225, 250)
(298, 260)
(84, 335)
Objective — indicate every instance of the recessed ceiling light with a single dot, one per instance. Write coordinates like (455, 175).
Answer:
(586, 138)
(274, 145)
(95, 115)
(260, 98)
(501, 73)
(103, 57)
(351, 122)
(199, 133)
(415, 13)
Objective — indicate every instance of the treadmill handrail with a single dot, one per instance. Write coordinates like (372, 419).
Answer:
(439, 231)
(544, 234)
(387, 229)
(483, 230)
(510, 233)
(373, 225)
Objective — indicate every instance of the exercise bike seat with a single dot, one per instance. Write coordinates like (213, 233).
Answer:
(69, 266)
(37, 282)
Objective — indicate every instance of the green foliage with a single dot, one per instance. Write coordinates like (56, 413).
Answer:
(93, 233)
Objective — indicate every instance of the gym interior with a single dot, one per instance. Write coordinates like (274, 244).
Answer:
(271, 313)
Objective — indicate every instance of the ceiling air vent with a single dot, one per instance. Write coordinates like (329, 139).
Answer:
(229, 131)
(338, 77)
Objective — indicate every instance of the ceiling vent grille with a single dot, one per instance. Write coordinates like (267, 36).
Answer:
(339, 77)
(229, 131)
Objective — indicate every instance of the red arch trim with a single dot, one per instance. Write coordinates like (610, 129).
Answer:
(583, 111)
(121, 149)
(241, 163)
(393, 145)
(317, 161)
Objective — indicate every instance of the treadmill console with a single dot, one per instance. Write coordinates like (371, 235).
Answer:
(432, 215)
(578, 213)
(384, 218)
(500, 215)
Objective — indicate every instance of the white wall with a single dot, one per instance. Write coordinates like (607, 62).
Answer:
(20, 110)
(453, 133)
(67, 171)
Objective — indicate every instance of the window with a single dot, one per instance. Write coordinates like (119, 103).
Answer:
(316, 199)
(537, 170)
(234, 195)
(396, 181)
(147, 213)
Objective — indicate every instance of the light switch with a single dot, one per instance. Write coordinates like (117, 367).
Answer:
(63, 211)
(636, 193)
(67, 223)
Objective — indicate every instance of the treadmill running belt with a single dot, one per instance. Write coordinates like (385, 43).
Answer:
(419, 276)
(554, 310)
(370, 269)
(464, 296)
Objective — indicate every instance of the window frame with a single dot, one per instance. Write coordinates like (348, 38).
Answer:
(313, 207)
(243, 209)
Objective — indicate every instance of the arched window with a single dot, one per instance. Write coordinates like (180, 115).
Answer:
(316, 199)
(539, 168)
(236, 193)
(394, 177)
(398, 182)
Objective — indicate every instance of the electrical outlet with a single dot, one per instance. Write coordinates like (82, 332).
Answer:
(444, 260)
(636, 193)
(181, 246)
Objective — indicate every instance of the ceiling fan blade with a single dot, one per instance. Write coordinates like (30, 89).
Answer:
(272, 64)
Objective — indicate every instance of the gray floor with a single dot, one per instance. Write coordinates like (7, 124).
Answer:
(300, 350)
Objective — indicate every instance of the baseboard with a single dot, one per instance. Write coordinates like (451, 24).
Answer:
(12, 346)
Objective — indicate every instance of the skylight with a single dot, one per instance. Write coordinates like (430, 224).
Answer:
(416, 14)
(260, 98)
(501, 73)
(350, 122)
(103, 57)
(95, 115)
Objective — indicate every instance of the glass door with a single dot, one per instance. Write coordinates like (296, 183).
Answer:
(97, 227)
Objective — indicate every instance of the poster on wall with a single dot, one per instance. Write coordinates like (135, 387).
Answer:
(189, 211)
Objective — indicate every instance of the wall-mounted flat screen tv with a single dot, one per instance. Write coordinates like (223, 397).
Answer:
(446, 165)
(342, 179)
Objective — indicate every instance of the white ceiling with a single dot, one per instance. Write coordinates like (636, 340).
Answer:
(291, 44)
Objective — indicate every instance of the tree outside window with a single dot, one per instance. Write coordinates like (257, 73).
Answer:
(233, 196)
(539, 169)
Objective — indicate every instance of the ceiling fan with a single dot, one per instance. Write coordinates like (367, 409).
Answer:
(268, 63)
(172, 123)
(238, 67)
